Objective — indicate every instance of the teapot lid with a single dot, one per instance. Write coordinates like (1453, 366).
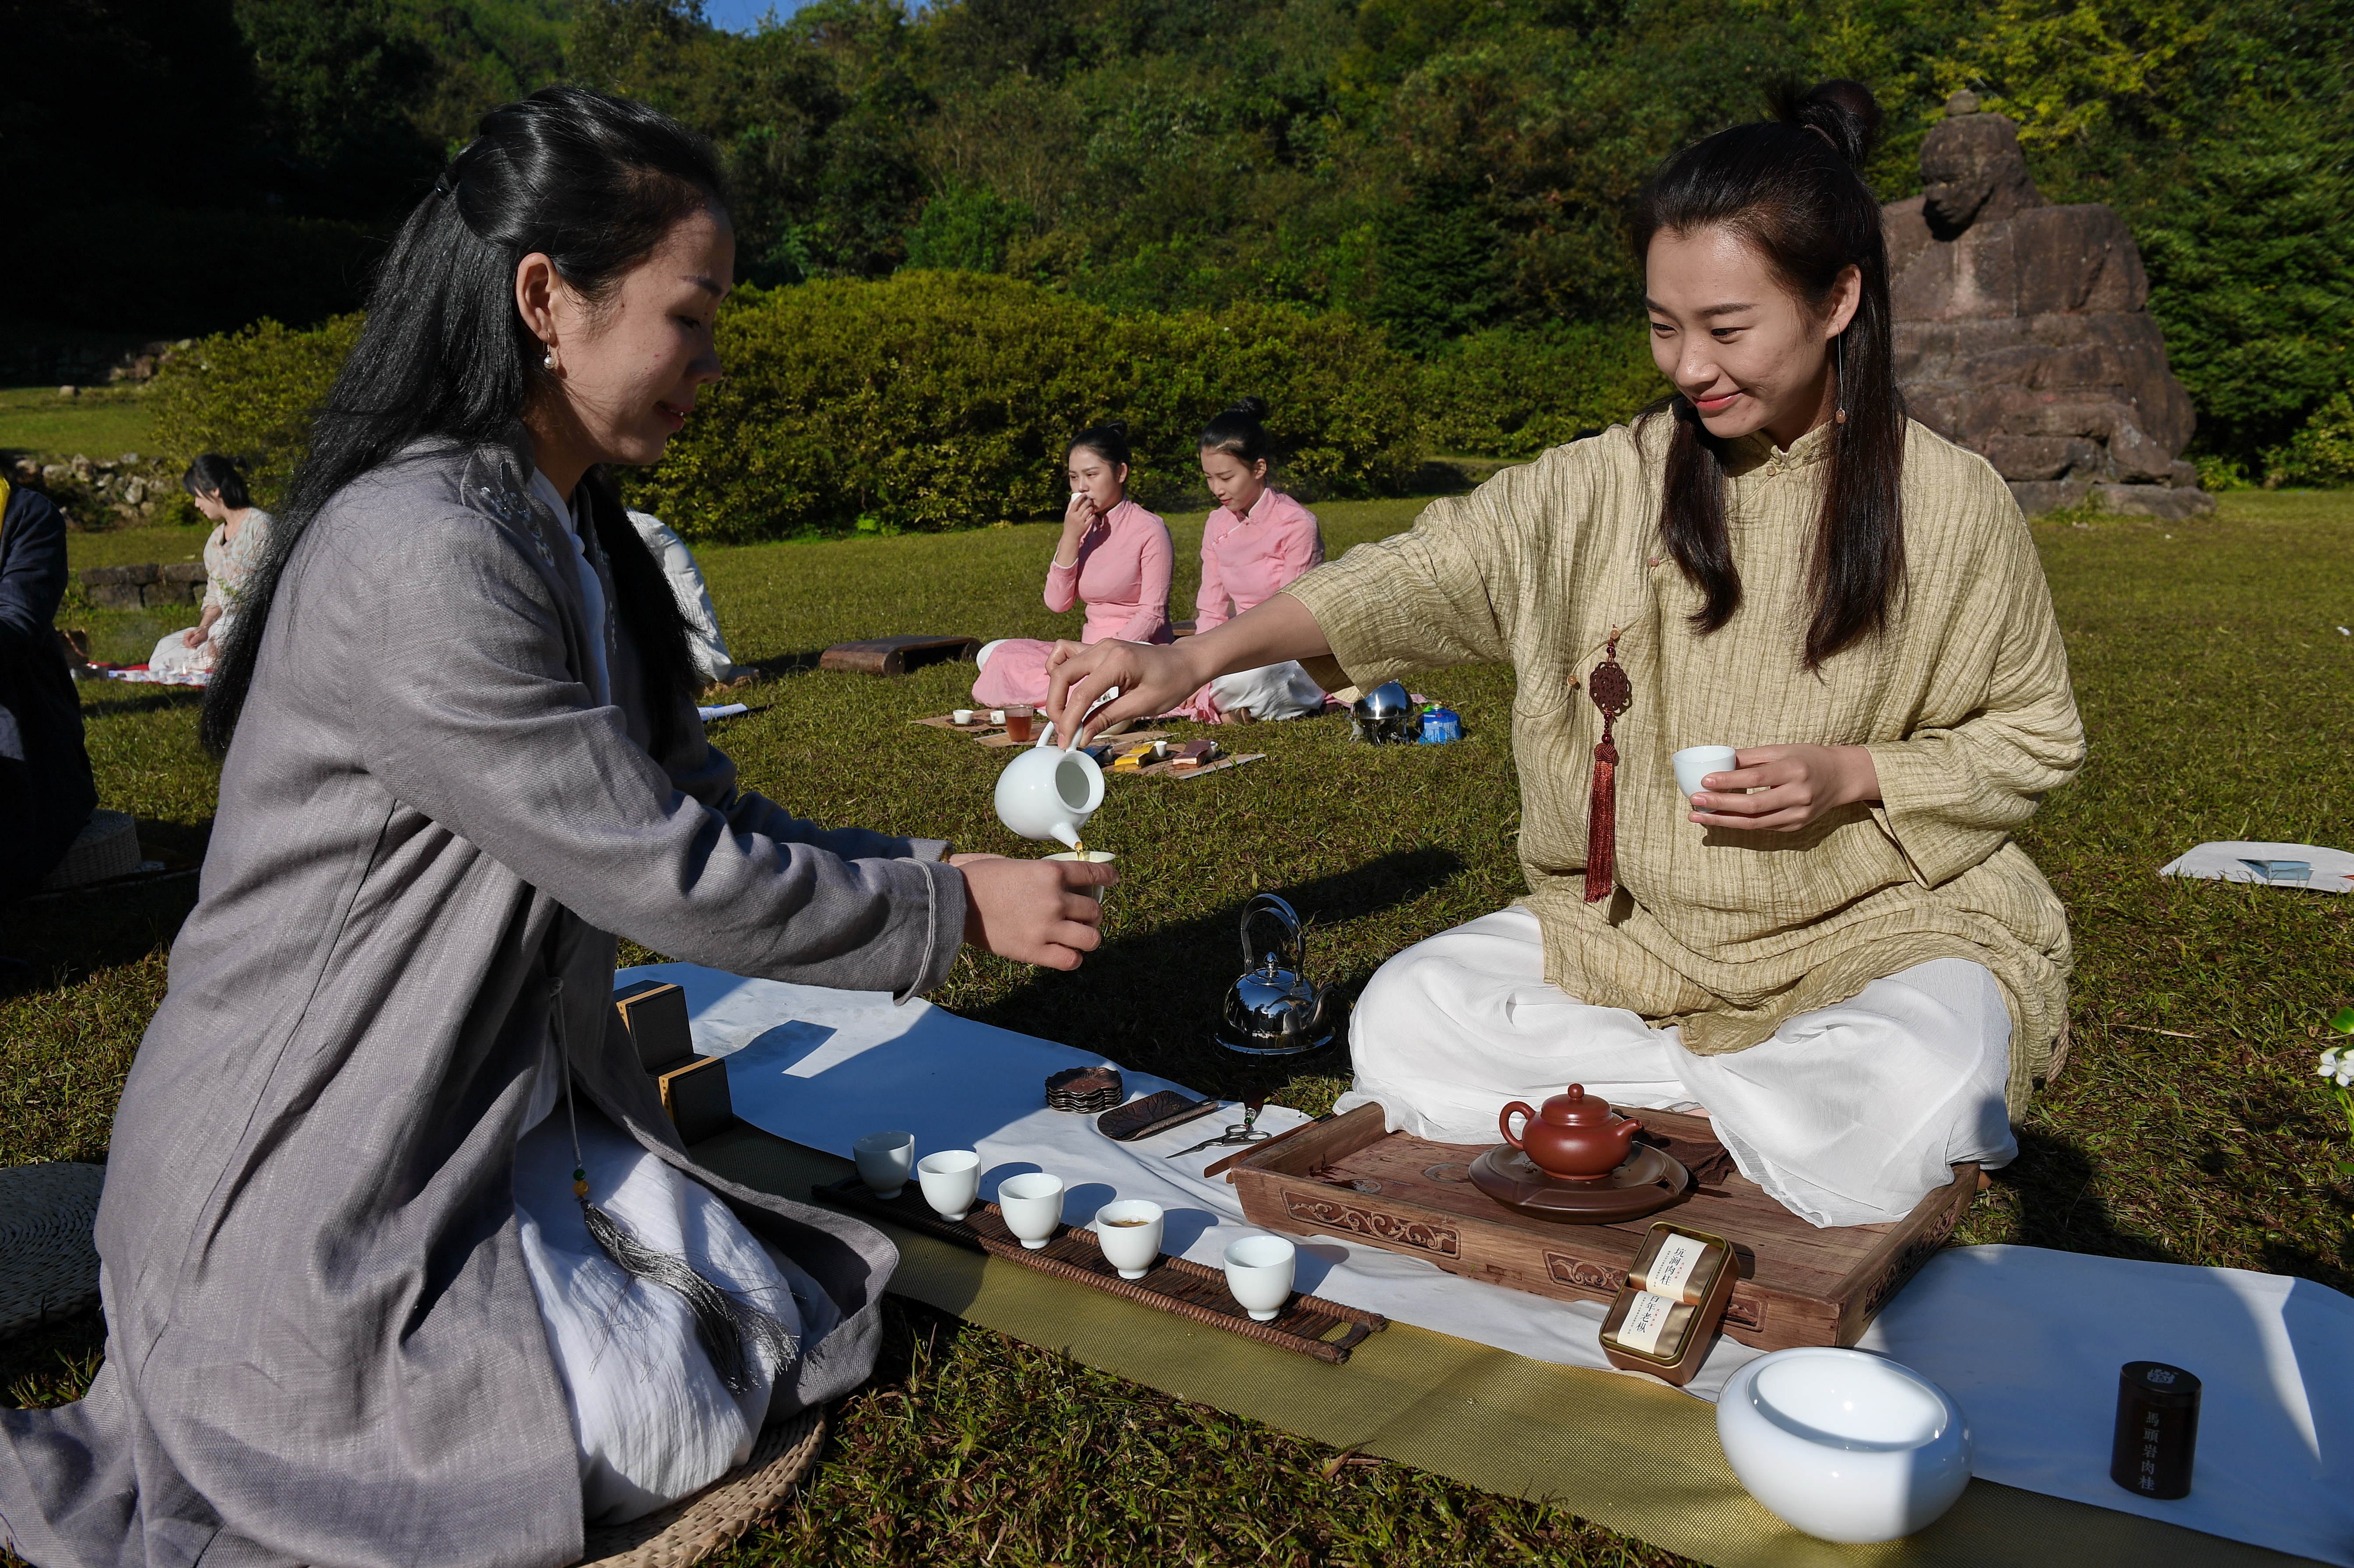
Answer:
(1578, 1109)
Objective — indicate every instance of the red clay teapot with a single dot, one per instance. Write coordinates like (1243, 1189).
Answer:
(1577, 1137)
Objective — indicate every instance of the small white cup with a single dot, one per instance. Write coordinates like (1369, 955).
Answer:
(1099, 857)
(962, 715)
(997, 715)
(884, 1161)
(1258, 1271)
(1130, 1231)
(1032, 1206)
(1695, 763)
(950, 1180)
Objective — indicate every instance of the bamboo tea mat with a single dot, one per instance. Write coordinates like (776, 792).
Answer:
(1636, 1457)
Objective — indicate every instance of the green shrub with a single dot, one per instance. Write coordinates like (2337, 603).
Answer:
(1513, 393)
(2322, 453)
(943, 399)
(249, 394)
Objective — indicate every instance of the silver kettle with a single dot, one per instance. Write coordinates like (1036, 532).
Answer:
(1385, 716)
(1273, 1009)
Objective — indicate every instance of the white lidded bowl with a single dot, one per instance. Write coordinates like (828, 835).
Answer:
(1845, 1445)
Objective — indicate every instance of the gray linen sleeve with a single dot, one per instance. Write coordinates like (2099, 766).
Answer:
(483, 727)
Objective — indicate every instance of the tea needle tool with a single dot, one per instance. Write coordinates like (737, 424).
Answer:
(1229, 1162)
(1243, 1132)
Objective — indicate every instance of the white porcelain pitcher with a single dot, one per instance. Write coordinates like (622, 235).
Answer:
(1046, 792)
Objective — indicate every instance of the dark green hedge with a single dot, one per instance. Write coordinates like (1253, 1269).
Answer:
(249, 394)
(944, 399)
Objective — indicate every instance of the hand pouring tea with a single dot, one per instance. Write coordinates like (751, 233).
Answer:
(1046, 792)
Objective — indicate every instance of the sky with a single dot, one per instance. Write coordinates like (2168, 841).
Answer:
(743, 16)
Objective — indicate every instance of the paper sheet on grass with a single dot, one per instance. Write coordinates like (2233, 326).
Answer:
(2028, 1341)
(2243, 861)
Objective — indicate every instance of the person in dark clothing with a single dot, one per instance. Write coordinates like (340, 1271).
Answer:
(46, 793)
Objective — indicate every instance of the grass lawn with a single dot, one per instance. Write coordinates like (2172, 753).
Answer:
(2188, 1126)
(102, 423)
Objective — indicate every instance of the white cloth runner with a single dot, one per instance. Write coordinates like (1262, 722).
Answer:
(2333, 870)
(2028, 1341)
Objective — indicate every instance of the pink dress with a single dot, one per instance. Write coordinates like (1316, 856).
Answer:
(1245, 561)
(1122, 573)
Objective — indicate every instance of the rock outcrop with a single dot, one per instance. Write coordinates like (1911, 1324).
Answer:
(2023, 332)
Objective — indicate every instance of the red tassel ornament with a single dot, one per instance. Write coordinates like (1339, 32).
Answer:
(1613, 693)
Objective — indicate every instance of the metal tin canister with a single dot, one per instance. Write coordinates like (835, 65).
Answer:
(2157, 1430)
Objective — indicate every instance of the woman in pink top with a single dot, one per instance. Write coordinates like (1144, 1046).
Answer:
(1113, 554)
(1257, 543)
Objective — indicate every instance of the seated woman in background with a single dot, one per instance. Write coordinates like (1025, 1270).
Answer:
(1113, 554)
(1256, 544)
(238, 542)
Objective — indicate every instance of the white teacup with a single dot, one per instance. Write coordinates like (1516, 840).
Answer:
(1046, 792)
(1695, 763)
(951, 1180)
(1032, 1206)
(1258, 1271)
(962, 715)
(1130, 1231)
(997, 715)
(1094, 857)
(884, 1161)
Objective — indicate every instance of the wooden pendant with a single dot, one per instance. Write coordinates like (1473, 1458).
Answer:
(1613, 693)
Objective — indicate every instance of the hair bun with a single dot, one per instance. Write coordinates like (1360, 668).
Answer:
(1249, 408)
(1843, 111)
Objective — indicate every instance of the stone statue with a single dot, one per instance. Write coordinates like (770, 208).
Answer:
(2023, 331)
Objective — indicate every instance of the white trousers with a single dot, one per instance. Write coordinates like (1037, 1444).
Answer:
(1849, 1115)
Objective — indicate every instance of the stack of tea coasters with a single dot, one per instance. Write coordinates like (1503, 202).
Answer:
(1088, 1090)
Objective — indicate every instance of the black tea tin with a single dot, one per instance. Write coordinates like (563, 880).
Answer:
(2157, 1430)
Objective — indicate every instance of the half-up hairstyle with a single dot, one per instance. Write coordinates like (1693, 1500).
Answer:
(1241, 432)
(597, 184)
(1789, 189)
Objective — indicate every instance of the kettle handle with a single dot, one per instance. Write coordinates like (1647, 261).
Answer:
(1294, 939)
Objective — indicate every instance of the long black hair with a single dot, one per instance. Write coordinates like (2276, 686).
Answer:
(1788, 188)
(213, 474)
(596, 183)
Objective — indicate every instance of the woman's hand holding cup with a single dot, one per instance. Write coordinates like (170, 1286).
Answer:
(1792, 785)
(1039, 912)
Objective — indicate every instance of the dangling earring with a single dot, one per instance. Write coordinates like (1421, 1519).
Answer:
(547, 362)
(1839, 370)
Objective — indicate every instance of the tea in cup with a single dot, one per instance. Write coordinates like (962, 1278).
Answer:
(1032, 1206)
(951, 1180)
(1695, 763)
(1130, 1232)
(1259, 1272)
(884, 1161)
(1019, 722)
(1096, 857)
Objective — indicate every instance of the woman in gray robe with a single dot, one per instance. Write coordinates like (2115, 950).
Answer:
(455, 771)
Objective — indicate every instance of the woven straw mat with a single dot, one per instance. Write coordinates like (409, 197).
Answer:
(695, 1528)
(48, 1263)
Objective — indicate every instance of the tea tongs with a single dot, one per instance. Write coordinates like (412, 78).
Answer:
(1243, 1132)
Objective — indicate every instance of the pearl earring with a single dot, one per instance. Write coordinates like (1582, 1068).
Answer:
(547, 360)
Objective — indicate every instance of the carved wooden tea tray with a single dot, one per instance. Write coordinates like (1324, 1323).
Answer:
(1799, 1285)
(1307, 1324)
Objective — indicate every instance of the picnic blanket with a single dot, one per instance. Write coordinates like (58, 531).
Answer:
(2027, 1341)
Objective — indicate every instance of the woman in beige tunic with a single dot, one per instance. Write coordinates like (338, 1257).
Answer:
(1834, 948)
(239, 540)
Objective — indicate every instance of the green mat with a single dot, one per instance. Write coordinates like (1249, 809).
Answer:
(1634, 1455)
